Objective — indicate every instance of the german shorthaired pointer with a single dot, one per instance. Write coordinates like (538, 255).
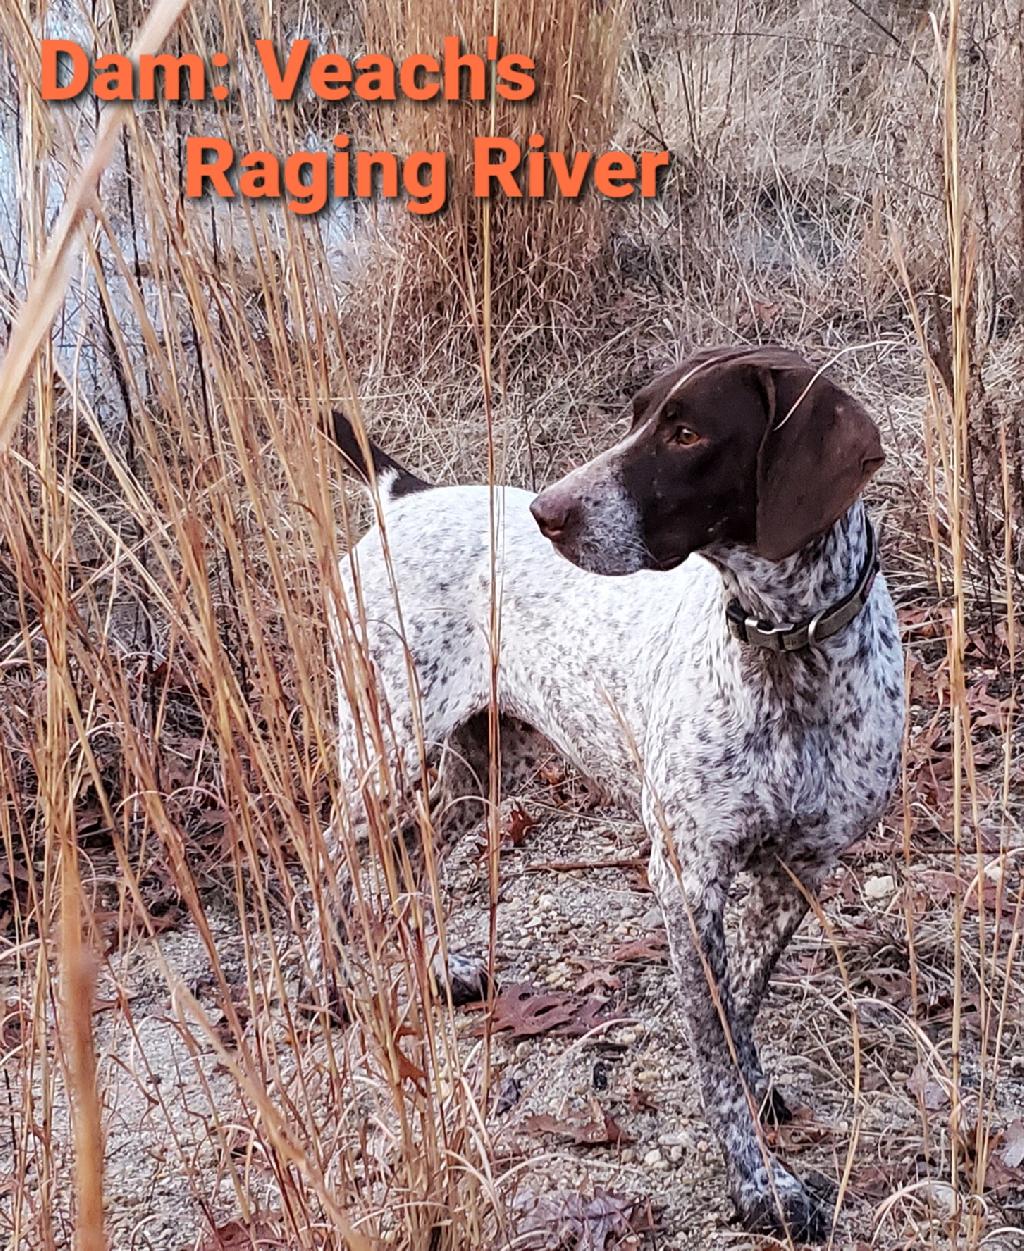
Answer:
(739, 685)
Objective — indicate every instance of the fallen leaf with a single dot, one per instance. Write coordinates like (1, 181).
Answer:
(242, 1236)
(516, 825)
(1011, 1149)
(803, 1130)
(212, 821)
(641, 1101)
(652, 949)
(599, 980)
(874, 1182)
(931, 1093)
(524, 1011)
(600, 1131)
(568, 1221)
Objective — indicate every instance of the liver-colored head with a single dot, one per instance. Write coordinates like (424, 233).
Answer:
(750, 447)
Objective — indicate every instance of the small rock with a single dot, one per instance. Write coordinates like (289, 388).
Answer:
(509, 1094)
(881, 887)
(941, 1194)
(652, 1158)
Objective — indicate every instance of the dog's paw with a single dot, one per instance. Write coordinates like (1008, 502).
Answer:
(465, 976)
(781, 1206)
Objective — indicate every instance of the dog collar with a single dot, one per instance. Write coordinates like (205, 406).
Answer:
(823, 625)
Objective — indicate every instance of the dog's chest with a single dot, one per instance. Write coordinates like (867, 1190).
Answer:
(795, 755)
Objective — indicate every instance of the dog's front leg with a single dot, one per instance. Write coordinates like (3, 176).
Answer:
(770, 915)
(767, 1196)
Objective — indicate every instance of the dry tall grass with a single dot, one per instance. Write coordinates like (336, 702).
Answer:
(170, 525)
(545, 248)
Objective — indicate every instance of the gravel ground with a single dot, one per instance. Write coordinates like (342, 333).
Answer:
(173, 1111)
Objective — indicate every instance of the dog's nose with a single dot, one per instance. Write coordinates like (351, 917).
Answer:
(552, 513)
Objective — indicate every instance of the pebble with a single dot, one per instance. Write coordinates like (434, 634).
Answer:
(881, 887)
(941, 1194)
(653, 1158)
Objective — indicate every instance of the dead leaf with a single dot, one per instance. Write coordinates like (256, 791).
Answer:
(932, 1094)
(641, 1101)
(568, 1221)
(213, 821)
(803, 1130)
(599, 980)
(516, 825)
(1011, 1149)
(601, 1131)
(940, 885)
(407, 1069)
(524, 1011)
(874, 1182)
(652, 949)
(255, 1235)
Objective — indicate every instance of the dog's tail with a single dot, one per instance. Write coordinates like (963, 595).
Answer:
(394, 479)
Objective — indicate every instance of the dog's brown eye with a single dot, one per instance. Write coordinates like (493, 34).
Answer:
(685, 437)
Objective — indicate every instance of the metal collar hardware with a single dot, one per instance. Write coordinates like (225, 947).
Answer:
(823, 625)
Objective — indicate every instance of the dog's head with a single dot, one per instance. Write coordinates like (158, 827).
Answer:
(749, 447)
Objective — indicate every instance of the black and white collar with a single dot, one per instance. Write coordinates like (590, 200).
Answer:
(823, 625)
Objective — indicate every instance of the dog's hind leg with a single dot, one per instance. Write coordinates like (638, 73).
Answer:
(392, 729)
(461, 805)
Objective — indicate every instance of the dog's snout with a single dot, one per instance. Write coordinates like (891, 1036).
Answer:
(552, 511)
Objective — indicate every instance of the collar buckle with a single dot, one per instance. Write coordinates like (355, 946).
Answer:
(814, 625)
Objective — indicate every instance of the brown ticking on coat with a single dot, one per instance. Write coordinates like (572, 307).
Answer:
(739, 481)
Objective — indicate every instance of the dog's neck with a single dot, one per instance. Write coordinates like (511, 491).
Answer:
(810, 581)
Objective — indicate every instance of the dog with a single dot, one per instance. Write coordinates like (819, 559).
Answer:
(697, 620)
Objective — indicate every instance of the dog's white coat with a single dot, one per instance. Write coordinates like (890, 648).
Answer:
(735, 758)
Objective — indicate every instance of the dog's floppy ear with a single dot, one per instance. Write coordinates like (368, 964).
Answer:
(819, 449)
